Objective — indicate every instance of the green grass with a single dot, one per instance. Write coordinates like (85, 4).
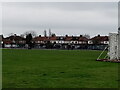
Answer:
(57, 69)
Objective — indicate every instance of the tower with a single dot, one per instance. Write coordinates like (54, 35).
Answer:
(50, 33)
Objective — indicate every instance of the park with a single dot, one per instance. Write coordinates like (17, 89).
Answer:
(61, 68)
(34, 68)
(60, 45)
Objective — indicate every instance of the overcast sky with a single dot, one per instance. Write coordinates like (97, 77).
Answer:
(72, 18)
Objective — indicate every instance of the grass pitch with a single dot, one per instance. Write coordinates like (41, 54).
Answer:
(57, 69)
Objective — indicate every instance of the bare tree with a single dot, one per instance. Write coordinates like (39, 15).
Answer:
(22, 35)
(53, 34)
(28, 35)
(33, 33)
(11, 34)
(87, 36)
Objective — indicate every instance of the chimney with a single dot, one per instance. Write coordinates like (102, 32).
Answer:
(15, 35)
(81, 35)
(98, 35)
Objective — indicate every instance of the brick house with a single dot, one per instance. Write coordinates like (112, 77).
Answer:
(40, 40)
(99, 40)
(79, 42)
(13, 41)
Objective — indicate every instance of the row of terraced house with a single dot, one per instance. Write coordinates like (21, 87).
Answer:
(56, 42)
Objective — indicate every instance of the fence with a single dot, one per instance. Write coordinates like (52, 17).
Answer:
(59, 46)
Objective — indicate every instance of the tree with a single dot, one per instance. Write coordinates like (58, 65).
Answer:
(29, 35)
(39, 35)
(66, 35)
(11, 34)
(81, 35)
(87, 36)
(33, 33)
(49, 45)
(22, 35)
(119, 28)
(28, 40)
(45, 33)
(53, 35)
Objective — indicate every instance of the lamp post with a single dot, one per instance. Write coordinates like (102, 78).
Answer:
(119, 43)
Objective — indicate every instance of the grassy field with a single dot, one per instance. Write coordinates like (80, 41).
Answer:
(57, 69)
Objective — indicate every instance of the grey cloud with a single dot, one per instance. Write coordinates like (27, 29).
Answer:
(62, 18)
(65, 5)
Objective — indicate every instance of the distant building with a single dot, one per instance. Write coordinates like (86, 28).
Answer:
(13, 41)
(76, 42)
(99, 40)
(40, 40)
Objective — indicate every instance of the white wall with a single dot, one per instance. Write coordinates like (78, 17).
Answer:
(7, 45)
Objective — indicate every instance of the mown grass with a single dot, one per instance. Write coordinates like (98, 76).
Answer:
(57, 69)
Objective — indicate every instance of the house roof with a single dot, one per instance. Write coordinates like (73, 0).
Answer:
(7, 41)
(41, 38)
(83, 39)
(16, 38)
(10, 39)
(53, 38)
(69, 38)
(100, 38)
